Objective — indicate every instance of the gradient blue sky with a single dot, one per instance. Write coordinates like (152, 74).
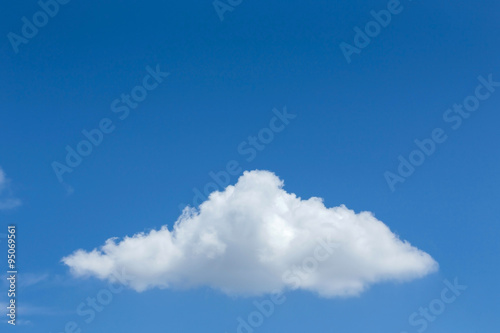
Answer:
(353, 121)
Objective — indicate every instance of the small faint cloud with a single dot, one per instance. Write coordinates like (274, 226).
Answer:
(32, 310)
(26, 280)
(30, 279)
(7, 199)
(28, 311)
(22, 322)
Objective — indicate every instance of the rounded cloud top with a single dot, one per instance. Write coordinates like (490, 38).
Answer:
(254, 238)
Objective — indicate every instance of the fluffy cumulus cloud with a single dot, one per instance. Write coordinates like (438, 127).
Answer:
(255, 238)
(7, 200)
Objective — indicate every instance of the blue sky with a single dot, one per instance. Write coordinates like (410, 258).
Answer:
(227, 79)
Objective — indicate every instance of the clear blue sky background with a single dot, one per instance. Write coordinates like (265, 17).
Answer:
(353, 121)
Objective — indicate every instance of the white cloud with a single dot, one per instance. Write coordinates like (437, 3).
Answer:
(31, 279)
(254, 238)
(7, 201)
